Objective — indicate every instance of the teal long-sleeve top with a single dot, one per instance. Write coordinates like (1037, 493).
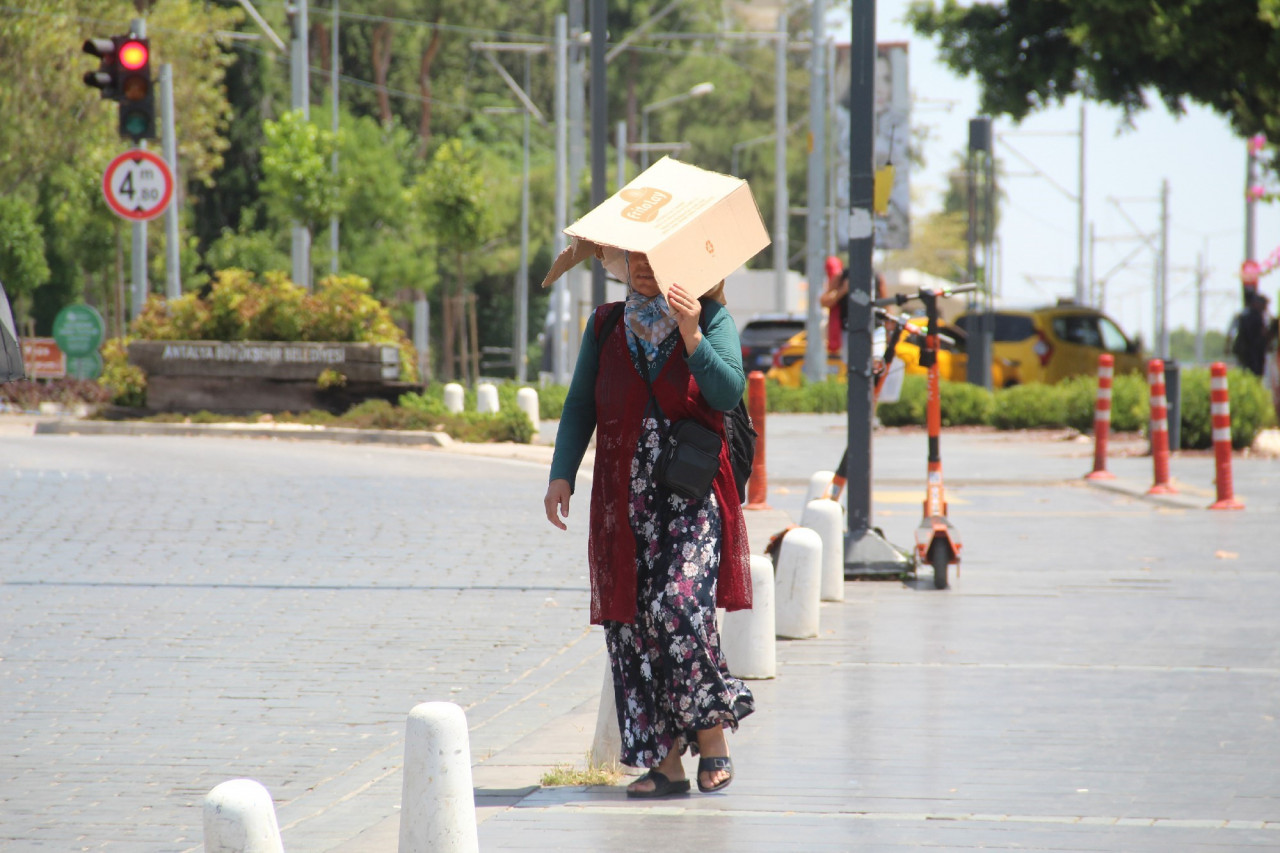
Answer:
(716, 364)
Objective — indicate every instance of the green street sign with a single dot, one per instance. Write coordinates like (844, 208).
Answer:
(85, 366)
(78, 330)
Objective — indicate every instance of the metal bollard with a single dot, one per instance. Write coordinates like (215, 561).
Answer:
(758, 485)
(527, 400)
(453, 397)
(437, 804)
(606, 746)
(819, 486)
(1102, 419)
(748, 639)
(486, 398)
(826, 518)
(1220, 415)
(798, 584)
(1159, 430)
(240, 818)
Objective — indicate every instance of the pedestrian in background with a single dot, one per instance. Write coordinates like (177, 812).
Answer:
(659, 563)
(1250, 341)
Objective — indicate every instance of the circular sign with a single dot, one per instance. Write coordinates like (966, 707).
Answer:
(138, 185)
(1249, 272)
(78, 330)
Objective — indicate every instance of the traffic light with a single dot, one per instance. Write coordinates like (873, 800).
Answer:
(134, 88)
(106, 78)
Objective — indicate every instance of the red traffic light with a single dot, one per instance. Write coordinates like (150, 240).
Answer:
(133, 55)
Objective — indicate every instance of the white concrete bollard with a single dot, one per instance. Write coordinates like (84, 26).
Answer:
(798, 585)
(486, 398)
(453, 397)
(240, 818)
(437, 805)
(819, 483)
(826, 518)
(606, 746)
(527, 400)
(748, 638)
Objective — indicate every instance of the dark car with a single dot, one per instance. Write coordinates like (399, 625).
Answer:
(763, 334)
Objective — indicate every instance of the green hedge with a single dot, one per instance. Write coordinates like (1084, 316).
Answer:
(1032, 406)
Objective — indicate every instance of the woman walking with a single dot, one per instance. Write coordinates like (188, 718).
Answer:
(660, 563)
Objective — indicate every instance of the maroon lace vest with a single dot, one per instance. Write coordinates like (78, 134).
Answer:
(621, 396)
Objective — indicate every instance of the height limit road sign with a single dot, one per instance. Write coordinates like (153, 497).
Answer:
(138, 185)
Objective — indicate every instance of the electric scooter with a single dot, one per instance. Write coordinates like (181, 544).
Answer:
(937, 541)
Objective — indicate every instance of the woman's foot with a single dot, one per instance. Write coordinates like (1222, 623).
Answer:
(713, 775)
(671, 768)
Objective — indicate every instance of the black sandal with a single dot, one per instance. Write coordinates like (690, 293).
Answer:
(710, 764)
(662, 787)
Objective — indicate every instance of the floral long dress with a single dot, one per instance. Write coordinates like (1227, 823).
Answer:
(670, 678)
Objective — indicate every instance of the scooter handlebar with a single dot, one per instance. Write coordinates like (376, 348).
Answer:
(904, 298)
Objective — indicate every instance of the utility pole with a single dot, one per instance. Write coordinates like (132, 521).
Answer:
(1080, 269)
(333, 125)
(1162, 296)
(575, 286)
(522, 278)
(172, 253)
(815, 360)
(599, 130)
(1250, 178)
(560, 291)
(299, 100)
(781, 244)
(1200, 277)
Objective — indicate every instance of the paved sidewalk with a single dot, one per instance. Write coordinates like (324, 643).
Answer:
(1104, 674)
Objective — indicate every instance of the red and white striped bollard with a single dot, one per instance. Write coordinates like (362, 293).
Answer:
(1220, 410)
(1102, 419)
(1159, 430)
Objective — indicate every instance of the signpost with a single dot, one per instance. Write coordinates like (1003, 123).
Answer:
(78, 331)
(138, 185)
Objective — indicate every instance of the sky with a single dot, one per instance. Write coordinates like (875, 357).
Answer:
(1203, 161)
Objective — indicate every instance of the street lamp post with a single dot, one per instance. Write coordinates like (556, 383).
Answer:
(696, 92)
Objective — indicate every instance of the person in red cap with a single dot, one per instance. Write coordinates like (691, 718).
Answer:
(833, 300)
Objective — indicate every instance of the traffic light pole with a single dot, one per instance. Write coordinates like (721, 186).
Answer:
(138, 255)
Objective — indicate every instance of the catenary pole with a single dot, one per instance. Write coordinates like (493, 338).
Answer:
(781, 248)
(298, 83)
(815, 360)
(172, 249)
(599, 129)
(138, 249)
(333, 125)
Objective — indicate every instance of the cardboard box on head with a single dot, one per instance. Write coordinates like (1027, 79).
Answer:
(695, 226)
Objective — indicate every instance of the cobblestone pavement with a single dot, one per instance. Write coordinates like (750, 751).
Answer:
(1104, 674)
(183, 611)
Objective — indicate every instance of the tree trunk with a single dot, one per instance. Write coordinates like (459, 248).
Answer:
(424, 85)
(381, 65)
(632, 124)
(446, 366)
(463, 345)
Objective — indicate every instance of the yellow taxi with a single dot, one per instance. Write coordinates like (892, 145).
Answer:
(788, 361)
(1059, 341)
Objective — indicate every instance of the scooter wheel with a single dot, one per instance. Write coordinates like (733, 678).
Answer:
(939, 557)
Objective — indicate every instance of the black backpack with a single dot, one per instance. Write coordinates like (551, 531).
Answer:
(738, 429)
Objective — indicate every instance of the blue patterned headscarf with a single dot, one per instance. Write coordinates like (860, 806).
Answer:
(649, 319)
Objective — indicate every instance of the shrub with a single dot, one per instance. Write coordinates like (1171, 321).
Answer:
(963, 404)
(28, 394)
(1080, 401)
(829, 396)
(126, 383)
(1130, 403)
(551, 401)
(1028, 407)
(909, 409)
(1251, 409)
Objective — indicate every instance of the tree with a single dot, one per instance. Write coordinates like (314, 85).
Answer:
(1029, 54)
(451, 195)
